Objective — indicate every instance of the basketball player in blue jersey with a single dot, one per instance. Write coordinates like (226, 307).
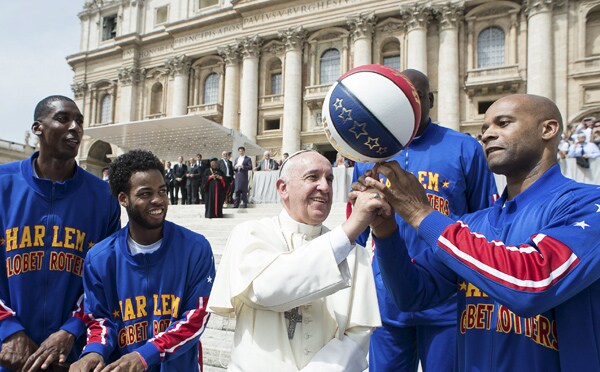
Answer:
(526, 271)
(451, 168)
(147, 286)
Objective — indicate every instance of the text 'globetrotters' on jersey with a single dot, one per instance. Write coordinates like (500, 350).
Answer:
(456, 178)
(526, 272)
(153, 303)
(46, 230)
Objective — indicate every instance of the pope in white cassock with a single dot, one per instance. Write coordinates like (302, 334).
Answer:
(304, 296)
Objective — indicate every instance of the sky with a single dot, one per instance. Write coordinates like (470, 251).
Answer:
(35, 38)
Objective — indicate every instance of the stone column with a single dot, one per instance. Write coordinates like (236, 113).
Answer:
(417, 17)
(79, 92)
(313, 62)
(448, 85)
(540, 51)
(470, 46)
(129, 77)
(293, 39)
(361, 28)
(196, 86)
(231, 101)
(512, 39)
(180, 68)
(249, 104)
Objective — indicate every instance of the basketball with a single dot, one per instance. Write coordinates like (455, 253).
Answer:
(371, 113)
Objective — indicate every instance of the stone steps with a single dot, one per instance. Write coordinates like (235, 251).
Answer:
(217, 339)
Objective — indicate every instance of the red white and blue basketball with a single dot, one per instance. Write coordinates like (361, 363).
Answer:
(371, 113)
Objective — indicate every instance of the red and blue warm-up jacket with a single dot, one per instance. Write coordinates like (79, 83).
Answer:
(452, 168)
(153, 303)
(526, 272)
(46, 229)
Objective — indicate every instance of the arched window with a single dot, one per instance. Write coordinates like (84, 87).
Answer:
(211, 88)
(106, 109)
(156, 96)
(275, 86)
(330, 66)
(490, 47)
(391, 54)
(592, 33)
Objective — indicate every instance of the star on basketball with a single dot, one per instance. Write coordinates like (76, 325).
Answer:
(581, 224)
(346, 114)
(372, 143)
(358, 129)
(382, 150)
(338, 103)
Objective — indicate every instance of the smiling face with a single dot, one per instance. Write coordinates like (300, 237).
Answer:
(146, 203)
(306, 188)
(60, 130)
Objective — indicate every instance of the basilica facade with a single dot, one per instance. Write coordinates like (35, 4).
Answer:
(263, 67)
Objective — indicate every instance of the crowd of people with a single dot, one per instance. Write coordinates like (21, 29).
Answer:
(213, 182)
(461, 278)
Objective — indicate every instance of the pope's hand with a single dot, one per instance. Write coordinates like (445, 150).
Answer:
(369, 207)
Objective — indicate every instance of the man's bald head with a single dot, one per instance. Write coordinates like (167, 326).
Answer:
(421, 84)
(540, 108)
(417, 78)
(543, 108)
(520, 135)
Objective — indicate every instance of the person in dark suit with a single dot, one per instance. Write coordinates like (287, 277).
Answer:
(267, 164)
(241, 167)
(226, 167)
(170, 181)
(194, 176)
(180, 171)
(204, 165)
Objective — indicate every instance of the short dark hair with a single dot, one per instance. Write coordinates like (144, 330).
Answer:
(43, 106)
(241, 148)
(120, 170)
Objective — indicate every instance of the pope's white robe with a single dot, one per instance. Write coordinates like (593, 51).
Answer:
(274, 265)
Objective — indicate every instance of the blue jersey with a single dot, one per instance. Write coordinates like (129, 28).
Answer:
(526, 272)
(457, 180)
(153, 303)
(46, 229)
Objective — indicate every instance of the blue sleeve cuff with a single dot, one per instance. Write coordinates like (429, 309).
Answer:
(9, 327)
(74, 326)
(97, 348)
(432, 227)
(150, 353)
(386, 246)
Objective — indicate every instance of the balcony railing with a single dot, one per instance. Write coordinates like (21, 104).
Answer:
(314, 95)
(211, 111)
(492, 74)
(272, 100)
(586, 66)
(155, 116)
(497, 79)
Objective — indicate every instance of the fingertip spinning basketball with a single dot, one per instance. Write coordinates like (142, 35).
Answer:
(371, 113)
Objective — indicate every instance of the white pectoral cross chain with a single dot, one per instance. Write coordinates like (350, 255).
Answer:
(293, 317)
